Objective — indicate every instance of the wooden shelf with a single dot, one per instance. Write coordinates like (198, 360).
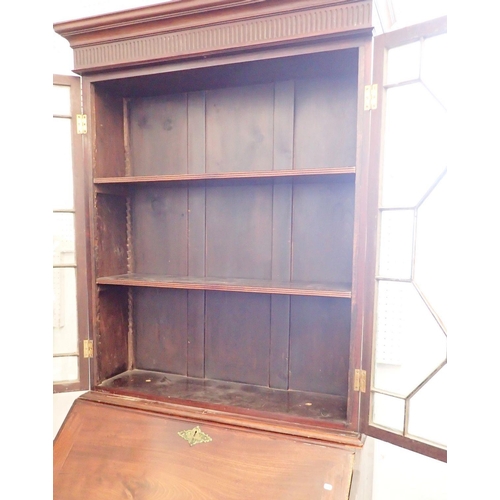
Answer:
(214, 394)
(264, 174)
(339, 290)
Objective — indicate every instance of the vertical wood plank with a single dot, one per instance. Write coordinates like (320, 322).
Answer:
(239, 133)
(237, 337)
(279, 347)
(323, 226)
(239, 231)
(161, 330)
(109, 135)
(284, 97)
(282, 231)
(196, 334)
(196, 133)
(325, 122)
(158, 135)
(196, 231)
(159, 229)
(319, 344)
(281, 269)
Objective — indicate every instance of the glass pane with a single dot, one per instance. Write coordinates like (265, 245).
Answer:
(65, 369)
(403, 63)
(388, 412)
(404, 321)
(434, 66)
(408, 13)
(431, 425)
(396, 244)
(65, 327)
(62, 164)
(432, 252)
(61, 100)
(63, 239)
(415, 145)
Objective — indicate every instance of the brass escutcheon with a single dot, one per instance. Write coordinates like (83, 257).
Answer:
(195, 436)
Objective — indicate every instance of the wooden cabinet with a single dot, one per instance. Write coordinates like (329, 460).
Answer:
(224, 236)
(227, 182)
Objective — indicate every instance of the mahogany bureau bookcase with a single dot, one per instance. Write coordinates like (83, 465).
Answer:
(227, 176)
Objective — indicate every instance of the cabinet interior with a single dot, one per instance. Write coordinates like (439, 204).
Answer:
(224, 226)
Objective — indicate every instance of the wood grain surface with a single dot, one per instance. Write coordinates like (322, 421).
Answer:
(105, 453)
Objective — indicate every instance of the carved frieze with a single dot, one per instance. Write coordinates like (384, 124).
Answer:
(233, 34)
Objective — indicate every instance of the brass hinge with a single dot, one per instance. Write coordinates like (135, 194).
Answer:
(88, 348)
(360, 380)
(371, 96)
(81, 124)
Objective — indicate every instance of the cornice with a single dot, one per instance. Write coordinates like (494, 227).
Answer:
(191, 28)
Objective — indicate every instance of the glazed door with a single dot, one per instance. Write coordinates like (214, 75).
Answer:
(70, 316)
(405, 333)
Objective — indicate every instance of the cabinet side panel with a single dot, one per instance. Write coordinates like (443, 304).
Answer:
(111, 235)
(111, 342)
(239, 231)
(319, 344)
(325, 122)
(237, 337)
(323, 230)
(158, 135)
(161, 330)
(239, 128)
(159, 230)
(109, 151)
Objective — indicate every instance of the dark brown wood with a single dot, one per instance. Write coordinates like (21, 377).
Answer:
(239, 231)
(159, 231)
(170, 32)
(230, 285)
(363, 189)
(111, 255)
(237, 337)
(196, 333)
(197, 231)
(282, 232)
(161, 341)
(284, 109)
(334, 432)
(225, 175)
(322, 232)
(325, 121)
(319, 345)
(279, 349)
(239, 129)
(311, 410)
(111, 332)
(196, 133)
(260, 208)
(109, 134)
(228, 155)
(158, 135)
(139, 454)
